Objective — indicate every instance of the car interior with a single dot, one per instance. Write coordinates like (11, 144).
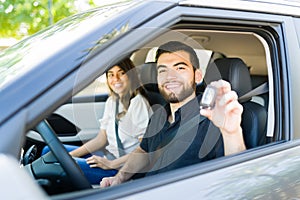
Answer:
(242, 57)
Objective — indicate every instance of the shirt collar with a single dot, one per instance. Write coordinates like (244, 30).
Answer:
(188, 110)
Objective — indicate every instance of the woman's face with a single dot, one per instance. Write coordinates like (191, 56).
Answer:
(117, 80)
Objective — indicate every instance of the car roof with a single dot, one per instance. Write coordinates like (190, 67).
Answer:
(284, 7)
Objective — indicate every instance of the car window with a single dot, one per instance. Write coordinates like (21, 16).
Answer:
(251, 47)
(224, 46)
(97, 87)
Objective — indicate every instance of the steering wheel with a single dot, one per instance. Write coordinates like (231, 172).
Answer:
(30, 155)
(78, 180)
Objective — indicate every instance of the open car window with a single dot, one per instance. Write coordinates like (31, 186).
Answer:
(76, 121)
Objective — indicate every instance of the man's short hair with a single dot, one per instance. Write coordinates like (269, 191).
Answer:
(174, 46)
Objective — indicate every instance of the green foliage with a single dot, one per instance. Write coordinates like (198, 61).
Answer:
(19, 18)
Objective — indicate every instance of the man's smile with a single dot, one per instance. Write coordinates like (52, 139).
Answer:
(172, 85)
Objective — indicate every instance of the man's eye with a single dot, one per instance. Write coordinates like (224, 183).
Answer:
(180, 68)
(161, 71)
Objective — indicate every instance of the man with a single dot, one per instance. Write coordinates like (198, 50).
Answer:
(178, 136)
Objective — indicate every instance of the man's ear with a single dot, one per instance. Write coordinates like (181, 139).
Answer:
(198, 76)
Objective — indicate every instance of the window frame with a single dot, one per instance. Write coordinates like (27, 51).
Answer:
(270, 29)
(279, 67)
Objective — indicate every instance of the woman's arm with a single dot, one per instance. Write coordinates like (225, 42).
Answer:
(99, 142)
(139, 116)
(104, 163)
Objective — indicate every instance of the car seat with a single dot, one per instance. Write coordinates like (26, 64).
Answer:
(258, 80)
(148, 78)
(254, 117)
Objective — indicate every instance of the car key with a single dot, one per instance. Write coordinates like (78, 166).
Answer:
(209, 98)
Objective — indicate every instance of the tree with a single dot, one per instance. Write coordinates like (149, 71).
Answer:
(19, 18)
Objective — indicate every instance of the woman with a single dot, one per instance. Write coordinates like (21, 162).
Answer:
(126, 113)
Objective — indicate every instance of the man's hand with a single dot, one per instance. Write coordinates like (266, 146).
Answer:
(110, 181)
(101, 162)
(227, 112)
(227, 116)
(137, 161)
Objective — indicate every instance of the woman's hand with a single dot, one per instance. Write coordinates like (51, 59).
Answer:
(101, 162)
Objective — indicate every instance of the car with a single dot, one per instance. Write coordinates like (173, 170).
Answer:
(53, 92)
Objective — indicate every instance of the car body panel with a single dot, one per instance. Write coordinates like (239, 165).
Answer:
(10, 175)
(13, 142)
(284, 7)
(264, 178)
(268, 177)
(267, 172)
(292, 52)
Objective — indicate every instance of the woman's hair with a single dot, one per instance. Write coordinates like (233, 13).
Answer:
(135, 86)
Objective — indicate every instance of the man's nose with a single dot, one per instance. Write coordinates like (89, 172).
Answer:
(171, 74)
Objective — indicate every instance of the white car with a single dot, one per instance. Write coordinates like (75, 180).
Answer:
(53, 92)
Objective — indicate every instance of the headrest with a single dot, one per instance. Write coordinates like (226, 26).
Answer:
(233, 70)
(148, 75)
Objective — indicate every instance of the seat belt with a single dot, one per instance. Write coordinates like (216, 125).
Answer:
(263, 88)
(119, 143)
(213, 135)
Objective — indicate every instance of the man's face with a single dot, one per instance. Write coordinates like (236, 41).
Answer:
(176, 77)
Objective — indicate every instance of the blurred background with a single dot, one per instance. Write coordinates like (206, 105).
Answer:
(22, 18)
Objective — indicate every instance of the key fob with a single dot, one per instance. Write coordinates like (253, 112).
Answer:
(208, 98)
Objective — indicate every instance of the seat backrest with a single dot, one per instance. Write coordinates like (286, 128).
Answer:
(148, 78)
(258, 80)
(254, 117)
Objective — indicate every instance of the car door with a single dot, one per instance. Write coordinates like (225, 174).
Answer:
(214, 179)
(77, 120)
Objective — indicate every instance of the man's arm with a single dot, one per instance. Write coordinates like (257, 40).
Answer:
(233, 142)
(227, 116)
(137, 161)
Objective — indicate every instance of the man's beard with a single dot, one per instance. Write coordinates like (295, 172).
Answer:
(172, 98)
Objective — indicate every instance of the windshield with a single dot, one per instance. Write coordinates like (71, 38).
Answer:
(29, 52)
